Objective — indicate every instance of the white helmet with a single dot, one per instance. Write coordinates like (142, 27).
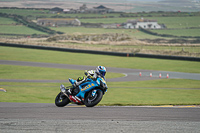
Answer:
(101, 70)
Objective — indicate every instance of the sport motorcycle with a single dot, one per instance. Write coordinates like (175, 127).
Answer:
(89, 93)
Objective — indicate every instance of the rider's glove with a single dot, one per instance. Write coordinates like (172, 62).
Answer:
(86, 73)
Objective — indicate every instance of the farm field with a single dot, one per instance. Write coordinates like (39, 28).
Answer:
(170, 22)
(180, 32)
(178, 24)
(23, 12)
(6, 21)
(19, 29)
(82, 30)
(9, 26)
(181, 20)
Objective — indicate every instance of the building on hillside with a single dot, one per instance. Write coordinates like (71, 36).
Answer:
(56, 10)
(58, 22)
(84, 9)
(104, 9)
(143, 23)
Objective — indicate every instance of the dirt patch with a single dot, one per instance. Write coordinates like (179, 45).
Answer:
(110, 42)
(92, 37)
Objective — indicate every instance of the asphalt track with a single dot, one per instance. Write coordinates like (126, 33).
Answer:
(47, 118)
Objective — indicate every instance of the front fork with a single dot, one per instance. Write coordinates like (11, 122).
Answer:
(94, 92)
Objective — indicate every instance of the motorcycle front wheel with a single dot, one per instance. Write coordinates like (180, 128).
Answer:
(61, 100)
(91, 101)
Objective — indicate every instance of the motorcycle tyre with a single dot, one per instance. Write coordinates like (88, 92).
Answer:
(97, 99)
(64, 101)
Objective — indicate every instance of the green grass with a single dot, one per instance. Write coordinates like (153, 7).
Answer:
(154, 92)
(18, 29)
(178, 22)
(21, 54)
(106, 20)
(7, 26)
(26, 72)
(119, 93)
(179, 32)
(6, 21)
(143, 96)
(26, 12)
(170, 22)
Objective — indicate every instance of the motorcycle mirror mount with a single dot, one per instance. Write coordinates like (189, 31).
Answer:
(63, 90)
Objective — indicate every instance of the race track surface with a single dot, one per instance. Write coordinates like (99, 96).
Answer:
(45, 117)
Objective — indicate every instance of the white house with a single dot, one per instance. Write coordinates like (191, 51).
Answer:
(143, 23)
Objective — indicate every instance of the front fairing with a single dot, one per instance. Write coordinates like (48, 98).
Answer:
(102, 84)
(86, 87)
(90, 84)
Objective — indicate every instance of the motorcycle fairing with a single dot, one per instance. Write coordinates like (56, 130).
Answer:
(86, 87)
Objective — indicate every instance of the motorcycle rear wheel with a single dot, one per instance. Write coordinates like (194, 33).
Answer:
(61, 100)
(91, 101)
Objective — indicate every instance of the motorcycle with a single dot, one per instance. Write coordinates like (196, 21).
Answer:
(89, 93)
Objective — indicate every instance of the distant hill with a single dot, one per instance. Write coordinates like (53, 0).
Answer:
(117, 5)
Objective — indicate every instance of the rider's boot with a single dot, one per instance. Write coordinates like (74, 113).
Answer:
(75, 84)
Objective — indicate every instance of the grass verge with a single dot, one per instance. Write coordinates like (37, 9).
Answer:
(26, 72)
(159, 92)
(21, 54)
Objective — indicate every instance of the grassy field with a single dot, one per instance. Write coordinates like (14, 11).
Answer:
(7, 26)
(6, 21)
(180, 32)
(131, 93)
(45, 13)
(26, 72)
(170, 22)
(21, 54)
(26, 12)
(154, 92)
(18, 29)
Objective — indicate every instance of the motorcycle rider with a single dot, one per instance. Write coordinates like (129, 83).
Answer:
(92, 74)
